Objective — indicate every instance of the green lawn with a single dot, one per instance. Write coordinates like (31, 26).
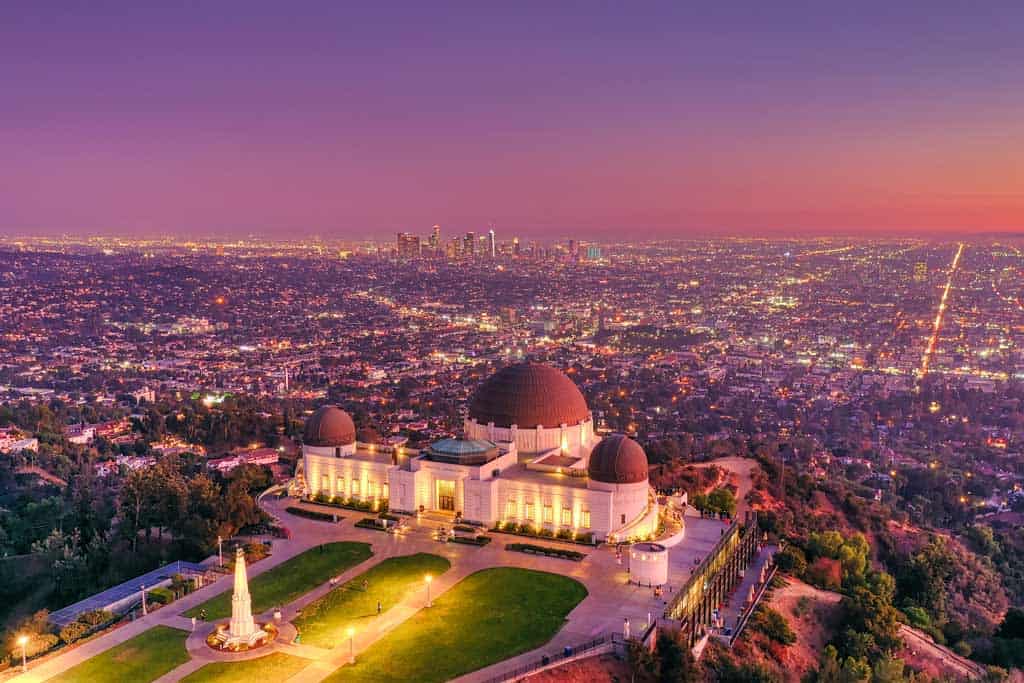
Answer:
(146, 657)
(275, 667)
(324, 621)
(289, 580)
(487, 617)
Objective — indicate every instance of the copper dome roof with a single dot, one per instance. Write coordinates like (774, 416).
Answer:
(617, 459)
(528, 395)
(329, 426)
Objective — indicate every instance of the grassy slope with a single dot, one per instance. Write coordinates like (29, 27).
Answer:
(487, 617)
(323, 622)
(274, 667)
(144, 658)
(290, 579)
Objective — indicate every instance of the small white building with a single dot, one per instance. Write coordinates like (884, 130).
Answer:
(555, 475)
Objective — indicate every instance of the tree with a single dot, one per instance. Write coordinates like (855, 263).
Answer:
(870, 625)
(791, 560)
(888, 669)
(722, 501)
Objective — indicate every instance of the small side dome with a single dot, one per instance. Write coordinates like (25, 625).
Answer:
(617, 459)
(329, 426)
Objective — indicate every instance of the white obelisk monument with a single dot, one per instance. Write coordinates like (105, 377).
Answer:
(242, 628)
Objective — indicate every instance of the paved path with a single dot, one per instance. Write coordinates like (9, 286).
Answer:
(751, 578)
(610, 601)
(742, 471)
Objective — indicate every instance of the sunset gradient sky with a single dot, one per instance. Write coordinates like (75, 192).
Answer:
(590, 118)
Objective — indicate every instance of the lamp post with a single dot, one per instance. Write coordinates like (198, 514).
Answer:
(350, 632)
(23, 641)
(220, 554)
(428, 578)
(142, 587)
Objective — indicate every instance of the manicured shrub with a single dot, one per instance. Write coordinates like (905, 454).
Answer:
(564, 534)
(255, 551)
(73, 631)
(162, 596)
(541, 550)
(95, 617)
(546, 533)
(39, 643)
(370, 523)
(311, 514)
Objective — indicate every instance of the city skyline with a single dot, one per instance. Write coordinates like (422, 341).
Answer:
(588, 121)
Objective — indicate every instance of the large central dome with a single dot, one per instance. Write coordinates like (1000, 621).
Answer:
(329, 426)
(528, 395)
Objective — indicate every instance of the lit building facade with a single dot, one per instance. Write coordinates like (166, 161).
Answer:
(555, 475)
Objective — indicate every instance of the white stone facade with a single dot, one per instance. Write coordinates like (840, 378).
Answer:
(502, 490)
(575, 439)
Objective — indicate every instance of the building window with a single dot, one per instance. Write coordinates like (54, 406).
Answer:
(385, 491)
(585, 519)
(325, 483)
(510, 508)
(355, 487)
(623, 519)
(337, 452)
(371, 489)
(549, 514)
(341, 486)
(566, 516)
(529, 509)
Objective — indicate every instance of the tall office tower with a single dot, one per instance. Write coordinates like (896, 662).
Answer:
(469, 245)
(593, 252)
(408, 245)
(920, 272)
(491, 248)
(515, 246)
(452, 248)
(435, 239)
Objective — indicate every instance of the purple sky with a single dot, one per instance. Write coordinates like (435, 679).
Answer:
(592, 119)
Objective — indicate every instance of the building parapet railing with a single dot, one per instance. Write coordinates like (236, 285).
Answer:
(671, 612)
(747, 613)
(568, 654)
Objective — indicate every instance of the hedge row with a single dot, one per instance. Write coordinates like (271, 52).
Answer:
(582, 538)
(549, 552)
(311, 514)
(477, 541)
(370, 523)
(349, 503)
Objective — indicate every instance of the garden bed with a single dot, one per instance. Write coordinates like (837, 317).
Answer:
(531, 549)
(351, 504)
(371, 523)
(528, 531)
(478, 541)
(312, 514)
